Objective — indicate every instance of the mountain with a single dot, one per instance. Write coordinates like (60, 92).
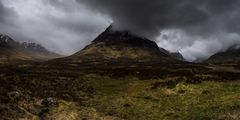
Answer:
(231, 55)
(176, 55)
(121, 47)
(12, 51)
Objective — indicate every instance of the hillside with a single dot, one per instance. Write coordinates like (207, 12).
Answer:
(12, 51)
(230, 56)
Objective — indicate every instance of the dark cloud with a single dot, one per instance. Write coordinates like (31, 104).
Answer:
(2, 11)
(147, 17)
(5, 13)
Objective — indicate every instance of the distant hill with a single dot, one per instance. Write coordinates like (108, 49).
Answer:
(12, 51)
(231, 55)
(121, 46)
(176, 55)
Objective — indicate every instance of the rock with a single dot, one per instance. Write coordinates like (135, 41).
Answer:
(14, 96)
(48, 102)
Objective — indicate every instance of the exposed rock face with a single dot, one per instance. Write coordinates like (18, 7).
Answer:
(12, 51)
(120, 46)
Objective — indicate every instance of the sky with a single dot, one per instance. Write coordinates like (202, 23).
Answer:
(195, 28)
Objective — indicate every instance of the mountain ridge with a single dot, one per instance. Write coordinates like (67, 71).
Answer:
(230, 56)
(13, 51)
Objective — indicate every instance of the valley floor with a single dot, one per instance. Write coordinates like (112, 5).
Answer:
(54, 95)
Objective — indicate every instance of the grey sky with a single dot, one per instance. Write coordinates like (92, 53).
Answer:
(64, 27)
(196, 28)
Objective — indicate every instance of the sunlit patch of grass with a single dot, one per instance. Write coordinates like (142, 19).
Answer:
(135, 100)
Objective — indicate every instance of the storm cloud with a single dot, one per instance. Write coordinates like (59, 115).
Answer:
(2, 12)
(148, 17)
(196, 28)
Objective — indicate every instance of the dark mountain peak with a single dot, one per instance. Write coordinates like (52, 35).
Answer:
(112, 37)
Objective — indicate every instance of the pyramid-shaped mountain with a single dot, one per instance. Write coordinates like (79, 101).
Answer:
(230, 56)
(12, 51)
(121, 46)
